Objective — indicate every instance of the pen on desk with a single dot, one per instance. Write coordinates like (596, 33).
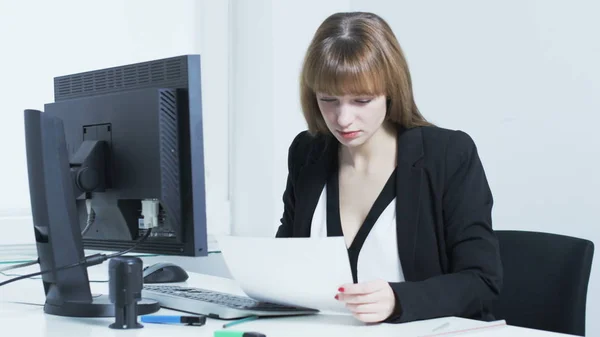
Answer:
(239, 321)
(489, 325)
(441, 326)
(189, 320)
(233, 333)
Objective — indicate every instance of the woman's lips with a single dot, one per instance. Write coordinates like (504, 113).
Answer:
(349, 134)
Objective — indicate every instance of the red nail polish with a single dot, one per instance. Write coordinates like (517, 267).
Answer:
(341, 289)
(336, 297)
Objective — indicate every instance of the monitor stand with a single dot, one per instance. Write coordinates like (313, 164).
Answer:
(100, 307)
(57, 233)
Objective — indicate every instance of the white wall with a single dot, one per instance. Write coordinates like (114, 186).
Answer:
(522, 77)
(269, 39)
(43, 39)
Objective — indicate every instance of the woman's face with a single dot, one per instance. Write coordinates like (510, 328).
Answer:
(352, 119)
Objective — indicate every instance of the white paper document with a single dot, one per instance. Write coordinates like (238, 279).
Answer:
(304, 272)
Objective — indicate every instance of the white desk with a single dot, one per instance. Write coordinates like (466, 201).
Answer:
(29, 319)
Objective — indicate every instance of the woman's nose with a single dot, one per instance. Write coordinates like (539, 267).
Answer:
(345, 117)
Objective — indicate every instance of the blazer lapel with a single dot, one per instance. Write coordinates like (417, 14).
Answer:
(310, 183)
(408, 197)
(313, 176)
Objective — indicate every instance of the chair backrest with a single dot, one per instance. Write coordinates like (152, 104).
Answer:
(545, 281)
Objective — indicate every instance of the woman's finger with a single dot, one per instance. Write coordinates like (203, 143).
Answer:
(366, 308)
(363, 288)
(370, 317)
(360, 298)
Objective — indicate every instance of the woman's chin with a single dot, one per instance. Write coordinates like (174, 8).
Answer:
(351, 142)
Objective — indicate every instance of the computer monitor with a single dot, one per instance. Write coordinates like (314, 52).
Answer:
(136, 151)
(57, 233)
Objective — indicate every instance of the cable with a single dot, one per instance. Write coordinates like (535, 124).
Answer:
(90, 218)
(26, 264)
(88, 261)
(95, 256)
(142, 239)
(39, 278)
(90, 221)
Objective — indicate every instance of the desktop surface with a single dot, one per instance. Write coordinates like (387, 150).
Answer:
(30, 320)
(21, 312)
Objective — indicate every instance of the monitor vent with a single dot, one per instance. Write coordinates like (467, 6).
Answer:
(170, 72)
(169, 157)
(151, 246)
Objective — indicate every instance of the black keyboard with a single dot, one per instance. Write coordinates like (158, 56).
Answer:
(213, 303)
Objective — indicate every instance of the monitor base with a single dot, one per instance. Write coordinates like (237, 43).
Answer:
(100, 307)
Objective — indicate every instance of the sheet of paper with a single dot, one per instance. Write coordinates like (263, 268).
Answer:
(302, 272)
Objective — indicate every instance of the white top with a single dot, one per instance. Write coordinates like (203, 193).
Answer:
(378, 257)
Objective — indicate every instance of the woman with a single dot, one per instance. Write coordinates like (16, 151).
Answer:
(410, 199)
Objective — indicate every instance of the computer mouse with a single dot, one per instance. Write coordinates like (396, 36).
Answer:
(164, 272)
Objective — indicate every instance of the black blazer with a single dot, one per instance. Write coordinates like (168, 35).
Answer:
(448, 250)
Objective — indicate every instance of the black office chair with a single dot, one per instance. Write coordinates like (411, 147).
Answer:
(545, 281)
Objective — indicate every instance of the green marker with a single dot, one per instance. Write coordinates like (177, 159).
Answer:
(233, 333)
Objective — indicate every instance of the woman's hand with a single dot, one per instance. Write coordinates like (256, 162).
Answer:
(369, 301)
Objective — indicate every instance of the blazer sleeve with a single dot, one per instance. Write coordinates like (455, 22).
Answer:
(475, 277)
(285, 228)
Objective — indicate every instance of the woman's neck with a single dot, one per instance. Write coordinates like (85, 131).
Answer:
(378, 153)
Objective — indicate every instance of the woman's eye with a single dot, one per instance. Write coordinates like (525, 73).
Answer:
(328, 99)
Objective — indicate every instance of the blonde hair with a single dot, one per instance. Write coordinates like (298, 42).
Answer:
(357, 54)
